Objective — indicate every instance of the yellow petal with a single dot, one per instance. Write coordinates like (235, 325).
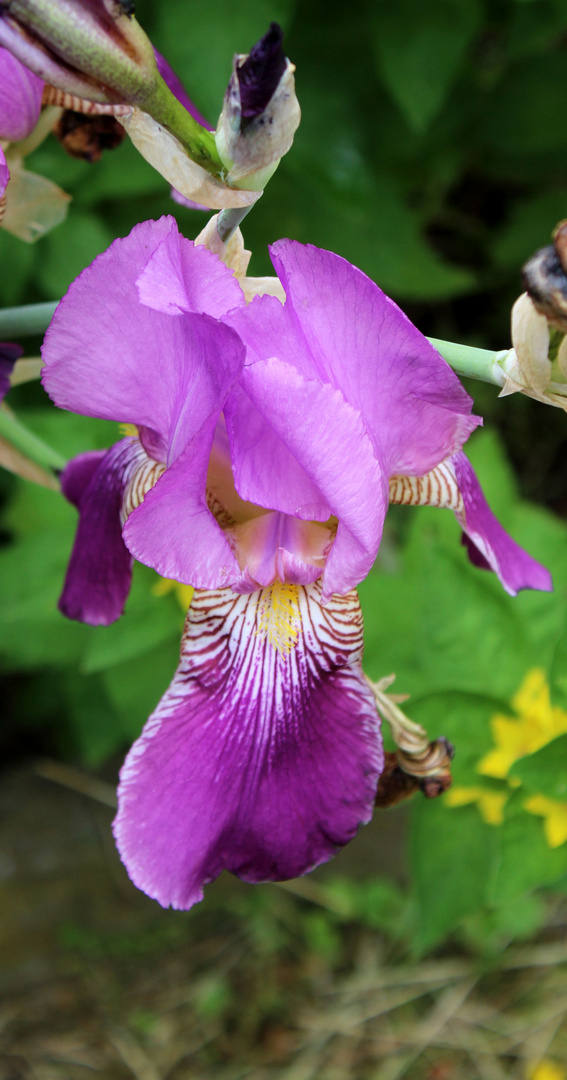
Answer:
(547, 1070)
(555, 815)
(491, 805)
(462, 796)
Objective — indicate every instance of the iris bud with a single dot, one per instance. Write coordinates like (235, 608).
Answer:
(260, 113)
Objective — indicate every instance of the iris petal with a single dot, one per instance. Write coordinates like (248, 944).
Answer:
(265, 760)
(100, 569)
(489, 545)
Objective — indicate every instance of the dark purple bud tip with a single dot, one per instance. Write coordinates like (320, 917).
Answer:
(260, 74)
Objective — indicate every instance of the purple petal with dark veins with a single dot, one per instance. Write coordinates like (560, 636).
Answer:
(488, 544)
(20, 98)
(8, 355)
(258, 761)
(100, 569)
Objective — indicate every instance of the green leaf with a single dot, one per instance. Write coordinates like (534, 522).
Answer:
(522, 115)
(95, 725)
(452, 853)
(420, 48)
(32, 631)
(545, 771)
(121, 174)
(148, 621)
(20, 258)
(372, 228)
(68, 249)
(529, 227)
(135, 687)
(464, 719)
(526, 862)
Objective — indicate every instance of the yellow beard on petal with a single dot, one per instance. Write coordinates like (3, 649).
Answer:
(279, 617)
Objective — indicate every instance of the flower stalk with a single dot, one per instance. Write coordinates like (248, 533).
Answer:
(25, 320)
(18, 435)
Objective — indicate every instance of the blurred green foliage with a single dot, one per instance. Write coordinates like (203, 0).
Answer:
(432, 153)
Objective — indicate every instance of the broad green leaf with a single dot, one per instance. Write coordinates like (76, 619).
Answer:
(21, 259)
(374, 229)
(452, 853)
(522, 117)
(68, 249)
(148, 621)
(32, 631)
(526, 862)
(420, 49)
(529, 228)
(135, 686)
(94, 722)
(558, 674)
(120, 174)
(462, 718)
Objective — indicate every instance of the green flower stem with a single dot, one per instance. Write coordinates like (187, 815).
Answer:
(482, 364)
(199, 143)
(25, 321)
(29, 444)
(229, 220)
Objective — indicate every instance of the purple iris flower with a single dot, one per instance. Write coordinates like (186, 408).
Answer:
(270, 439)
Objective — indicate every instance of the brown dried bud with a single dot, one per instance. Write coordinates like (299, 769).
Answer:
(545, 278)
(394, 785)
(87, 136)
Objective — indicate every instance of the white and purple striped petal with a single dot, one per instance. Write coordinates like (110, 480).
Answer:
(263, 757)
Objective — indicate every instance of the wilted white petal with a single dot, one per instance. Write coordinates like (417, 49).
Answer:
(34, 204)
(260, 286)
(26, 370)
(234, 254)
(530, 336)
(169, 157)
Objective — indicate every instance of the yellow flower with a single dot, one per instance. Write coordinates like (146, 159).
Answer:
(490, 803)
(547, 1070)
(555, 814)
(538, 723)
(184, 593)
